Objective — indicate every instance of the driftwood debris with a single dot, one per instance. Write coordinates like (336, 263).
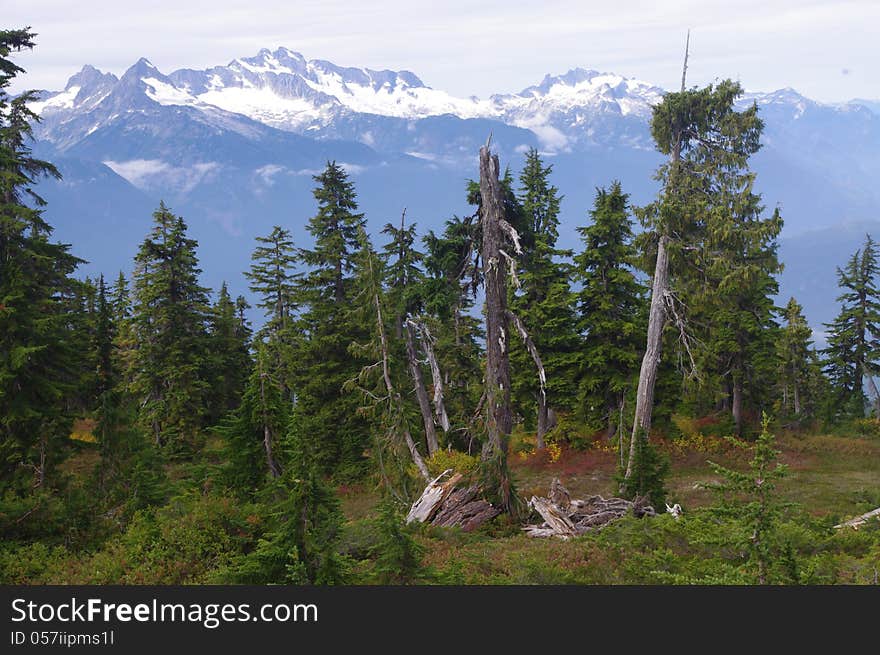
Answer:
(443, 505)
(565, 518)
(859, 521)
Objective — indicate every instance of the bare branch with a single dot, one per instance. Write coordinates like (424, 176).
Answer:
(511, 267)
(511, 232)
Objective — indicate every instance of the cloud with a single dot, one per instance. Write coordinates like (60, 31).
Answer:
(151, 174)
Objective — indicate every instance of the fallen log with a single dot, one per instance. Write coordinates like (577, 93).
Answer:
(565, 517)
(859, 521)
(554, 516)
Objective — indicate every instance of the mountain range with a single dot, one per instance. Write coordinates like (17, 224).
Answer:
(233, 149)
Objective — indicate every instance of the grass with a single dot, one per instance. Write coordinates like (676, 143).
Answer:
(830, 478)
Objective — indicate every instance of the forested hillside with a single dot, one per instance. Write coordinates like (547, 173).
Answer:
(151, 433)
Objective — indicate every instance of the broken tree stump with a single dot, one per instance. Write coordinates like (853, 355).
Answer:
(443, 505)
(432, 497)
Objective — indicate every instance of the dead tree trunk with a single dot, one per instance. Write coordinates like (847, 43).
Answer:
(436, 376)
(876, 394)
(500, 415)
(657, 316)
(421, 394)
(543, 414)
(651, 359)
(736, 407)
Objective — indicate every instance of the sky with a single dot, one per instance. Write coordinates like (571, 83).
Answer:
(828, 51)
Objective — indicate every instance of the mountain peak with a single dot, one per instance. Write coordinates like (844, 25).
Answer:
(89, 77)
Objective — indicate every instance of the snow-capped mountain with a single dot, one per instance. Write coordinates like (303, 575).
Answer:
(282, 89)
(235, 146)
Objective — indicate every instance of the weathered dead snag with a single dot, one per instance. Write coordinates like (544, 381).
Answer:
(566, 518)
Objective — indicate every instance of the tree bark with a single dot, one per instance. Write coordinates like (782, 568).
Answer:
(436, 376)
(497, 329)
(874, 393)
(736, 407)
(651, 359)
(421, 394)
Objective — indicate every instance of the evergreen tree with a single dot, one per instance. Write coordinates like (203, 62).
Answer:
(228, 357)
(452, 278)
(610, 310)
(853, 352)
(170, 317)
(105, 332)
(749, 504)
(398, 555)
(735, 299)
(37, 362)
(300, 546)
(324, 363)
(543, 302)
(798, 365)
(254, 429)
(272, 278)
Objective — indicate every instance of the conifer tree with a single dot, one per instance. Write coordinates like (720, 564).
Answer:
(36, 357)
(452, 278)
(228, 359)
(105, 332)
(543, 302)
(610, 310)
(272, 278)
(406, 287)
(376, 380)
(305, 522)
(737, 266)
(170, 316)
(798, 364)
(749, 503)
(253, 431)
(853, 352)
(325, 291)
(708, 143)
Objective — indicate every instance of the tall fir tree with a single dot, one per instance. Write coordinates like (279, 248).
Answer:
(170, 317)
(253, 431)
(611, 310)
(405, 281)
(324, 363)
(452, 278)
(543, 302)
(800, 373)
(853, 352)
(37, 361)
(228, 358)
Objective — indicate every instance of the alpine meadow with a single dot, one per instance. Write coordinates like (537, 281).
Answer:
(547, 381)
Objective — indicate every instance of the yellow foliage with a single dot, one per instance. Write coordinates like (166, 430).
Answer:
(84, 430)
(452, 459)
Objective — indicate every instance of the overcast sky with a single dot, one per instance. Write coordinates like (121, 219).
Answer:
(829, 51)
